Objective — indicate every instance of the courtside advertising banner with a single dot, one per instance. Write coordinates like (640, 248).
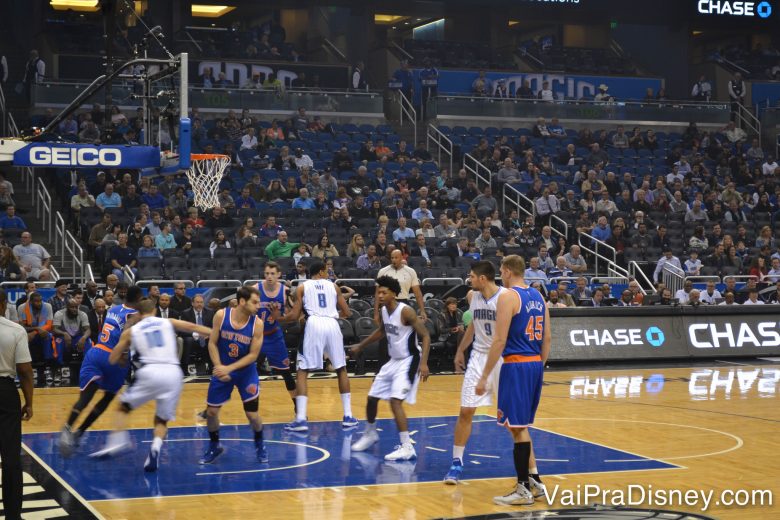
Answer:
(73, 155)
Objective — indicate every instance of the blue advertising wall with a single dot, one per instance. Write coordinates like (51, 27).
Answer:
(564, 85)
(765, 91)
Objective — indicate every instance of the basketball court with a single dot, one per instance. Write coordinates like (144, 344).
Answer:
(690, 428)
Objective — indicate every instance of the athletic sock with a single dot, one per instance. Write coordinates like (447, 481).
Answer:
(534, 472)
(157, 444)
(72, 418)
(370, 427)
(457, 452)
(405, 439)
(522, 453)
(259, 437)
(346, 402)
(214, 437)
(295, 405)
(300, 411)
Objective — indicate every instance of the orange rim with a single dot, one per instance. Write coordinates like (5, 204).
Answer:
(207, 156)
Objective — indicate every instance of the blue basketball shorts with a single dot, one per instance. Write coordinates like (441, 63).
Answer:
(96, 368)
(275, 351)
(519, 391)
(245, 380)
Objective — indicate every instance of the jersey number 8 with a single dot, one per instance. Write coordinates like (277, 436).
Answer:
(321, 299)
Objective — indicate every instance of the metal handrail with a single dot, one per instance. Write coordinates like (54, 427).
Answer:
(702, 278)
(673, 277)
(128, 273)
(614, 280)
(595, 243)
(407, 108)
(683, 103)
(402, 50)
(332, 46)
(297, 90)
(555, 219)
(635, 271)
(43, 208)
(749, 120)
(208, 283)
(90, 275)
(435, 135)
(143, 283)
(472, 165)
(519, 198)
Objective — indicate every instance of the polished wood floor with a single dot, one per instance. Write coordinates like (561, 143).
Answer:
(721, 424)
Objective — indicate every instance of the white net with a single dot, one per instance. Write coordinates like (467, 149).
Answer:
(205, 175)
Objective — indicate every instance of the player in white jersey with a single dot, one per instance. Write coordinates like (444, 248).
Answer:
(321, 300)
(483, 300)
(158, 376)
(398, 379)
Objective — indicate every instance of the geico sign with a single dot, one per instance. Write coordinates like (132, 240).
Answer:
(82, 156)
(713, 335)
(603, 337)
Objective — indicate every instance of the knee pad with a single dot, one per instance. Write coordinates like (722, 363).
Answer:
(252, 406)
(289, 380)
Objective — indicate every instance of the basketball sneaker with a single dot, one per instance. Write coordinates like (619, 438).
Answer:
(48, 376)
(520, 496)
(349, 422)
(453, 475)
(297, 426)
(538, 489)
(261, 453)
(402, 452)
(67, 442)
(214, 451)
(369, 438)
(152, 461)
(57, 376)
(202, 414)
(117, 443)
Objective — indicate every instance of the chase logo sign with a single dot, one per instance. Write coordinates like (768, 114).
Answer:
(653, 336)
(69, 155)
(735, 8)
(763, 334)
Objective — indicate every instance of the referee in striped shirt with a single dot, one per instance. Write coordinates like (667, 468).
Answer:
(14, 360)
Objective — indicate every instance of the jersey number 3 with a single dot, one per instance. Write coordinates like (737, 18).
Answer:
(233, 350)
(535, 328)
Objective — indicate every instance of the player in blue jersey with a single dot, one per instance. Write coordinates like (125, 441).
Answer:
(273, 297)
(234, 345)
(522, 339)
(98, 374)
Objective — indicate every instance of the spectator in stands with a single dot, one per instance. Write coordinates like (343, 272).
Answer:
(148, 249)
(602, 96)
(60, 297)
(559, 270)
(620, 139)
(446, 229)
(711, 295)
(697, 213)
(702, 90)
(734, 133)
(324, 249)
(422, 211)
(752, 298)
(737, 90)
(402, 232)
(481, 86)
(546, 93)
(219, 219)
(597, 155)
(122, 256)
(606, 204)
(180, 301)
(693, 265)
(524, 91)
(484, 240)
(508, 173)
(772, 276)
(281, 247)
(11, 220)
(667, 257)
(9, 268)
(100, 230)
(698, 242)
(769, 167)
(245, 200)
(165, 240)
(758, 268)
(581, 291)
(602, 232)
(683, 295)
(33, 258)
(575, 261)
(534, 271)
(220, 242)
(485, 203)
(369, 260)
(734, 213)
(774, 298)
(729, 298)
(108, 199)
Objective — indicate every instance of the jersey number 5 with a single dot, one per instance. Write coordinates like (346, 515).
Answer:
(105, 334)
(535, 328)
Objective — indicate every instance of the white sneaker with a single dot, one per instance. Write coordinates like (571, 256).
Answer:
(520, 496)
(402, 452)
(117, 443)
(538, 489)
(369, 438)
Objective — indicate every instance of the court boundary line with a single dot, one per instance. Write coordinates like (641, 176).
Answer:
(63, 482)
(739, 440)
(436, 482)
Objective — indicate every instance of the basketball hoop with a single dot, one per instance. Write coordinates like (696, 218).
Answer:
(205, 175)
